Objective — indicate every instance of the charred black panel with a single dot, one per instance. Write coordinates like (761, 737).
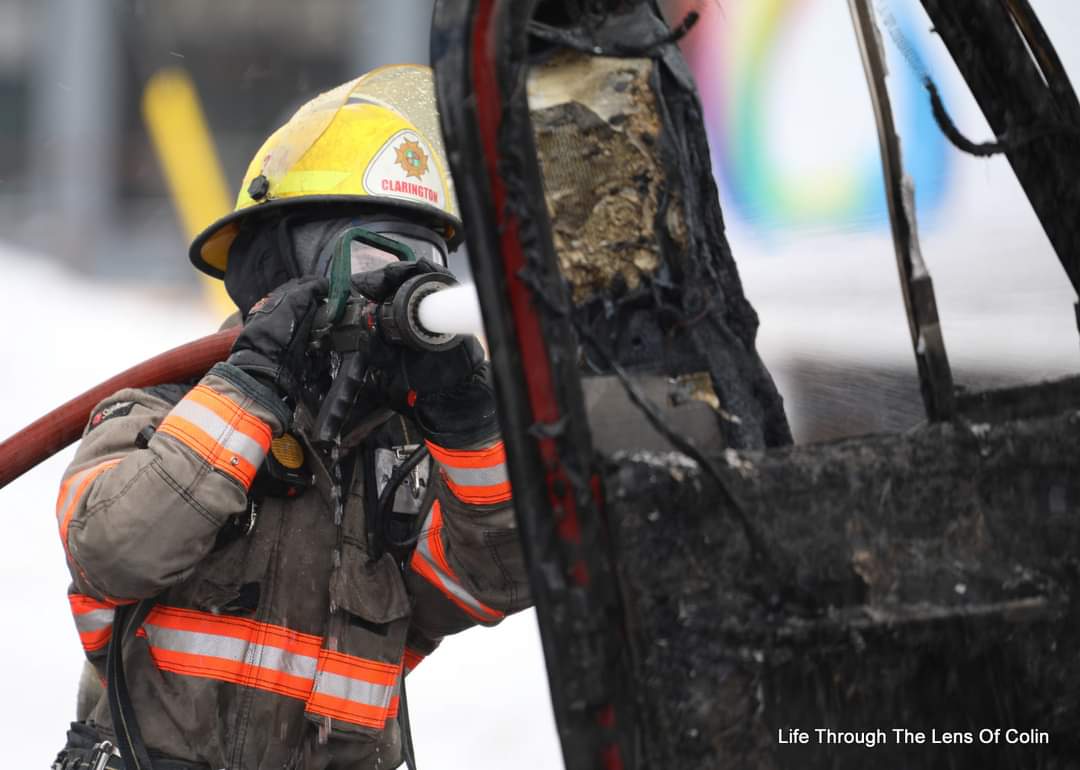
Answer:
(928, 581)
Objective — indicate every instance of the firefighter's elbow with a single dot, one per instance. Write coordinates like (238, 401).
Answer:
(110, 570)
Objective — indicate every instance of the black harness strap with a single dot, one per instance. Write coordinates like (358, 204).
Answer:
(128, 736)
(380, 511)
(406, 729)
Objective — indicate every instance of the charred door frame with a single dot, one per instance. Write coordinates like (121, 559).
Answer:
(480, 57)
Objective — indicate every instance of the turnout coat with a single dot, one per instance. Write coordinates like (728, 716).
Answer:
(278, 639)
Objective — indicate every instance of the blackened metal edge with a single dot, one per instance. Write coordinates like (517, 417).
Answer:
(479, 55)
(935, 375)
(1012, 70)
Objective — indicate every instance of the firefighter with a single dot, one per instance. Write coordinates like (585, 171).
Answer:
(277, 617)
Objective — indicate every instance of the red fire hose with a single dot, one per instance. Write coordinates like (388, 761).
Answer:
(46, 436)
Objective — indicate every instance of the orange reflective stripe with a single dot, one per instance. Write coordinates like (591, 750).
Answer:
(272, 658)
(469, 458)
(349, 711)
(93, 641)
(475, 476)
(93, 621)
(82, 604)
(485, 495)
(233, 671)
(372, 671)
(221, 433)
(236, 628)
(412, 658)
(223, 648)
(219, 457)
(354, 689)
(227, 410)
(430, 562)
(72, 491)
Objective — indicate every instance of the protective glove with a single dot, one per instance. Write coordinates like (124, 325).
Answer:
(273, 345)
(448, 394)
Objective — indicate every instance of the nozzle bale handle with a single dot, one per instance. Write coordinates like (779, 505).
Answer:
(341, 269)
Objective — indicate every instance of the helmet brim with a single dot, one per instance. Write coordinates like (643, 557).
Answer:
(209, 252)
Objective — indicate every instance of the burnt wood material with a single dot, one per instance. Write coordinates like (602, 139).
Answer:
(636, 218)
(1020, 402)
(931, 581)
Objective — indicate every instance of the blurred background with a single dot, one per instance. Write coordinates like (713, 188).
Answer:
(125, 128)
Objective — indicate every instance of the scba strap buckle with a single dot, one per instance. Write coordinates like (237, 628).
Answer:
(103, 756)
(409, 495)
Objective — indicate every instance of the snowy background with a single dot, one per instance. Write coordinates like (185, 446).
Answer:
(826, 293)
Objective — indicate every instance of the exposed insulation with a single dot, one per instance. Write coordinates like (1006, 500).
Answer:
(595, 122)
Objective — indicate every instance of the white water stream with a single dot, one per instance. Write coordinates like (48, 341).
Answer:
(452, 311)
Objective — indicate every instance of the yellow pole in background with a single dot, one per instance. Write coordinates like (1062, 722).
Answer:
(185, 149)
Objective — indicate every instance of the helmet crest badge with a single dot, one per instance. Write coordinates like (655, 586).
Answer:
(412, 158)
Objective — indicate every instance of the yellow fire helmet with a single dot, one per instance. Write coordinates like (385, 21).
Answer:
(373, 141)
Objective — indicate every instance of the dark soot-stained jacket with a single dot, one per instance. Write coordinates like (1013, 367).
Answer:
(283, 647)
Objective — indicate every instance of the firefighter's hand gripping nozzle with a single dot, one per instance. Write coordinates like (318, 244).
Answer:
(360, 328)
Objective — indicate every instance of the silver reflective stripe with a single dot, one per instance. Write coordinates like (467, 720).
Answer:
(292, 663)
(95, 620)
(229, 648)
(477, 477)
(423, 550)
(355, 690)
(237, 442)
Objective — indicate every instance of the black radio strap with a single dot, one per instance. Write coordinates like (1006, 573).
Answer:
(129, 740)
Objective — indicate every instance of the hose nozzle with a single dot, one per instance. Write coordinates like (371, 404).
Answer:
(398, 319)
